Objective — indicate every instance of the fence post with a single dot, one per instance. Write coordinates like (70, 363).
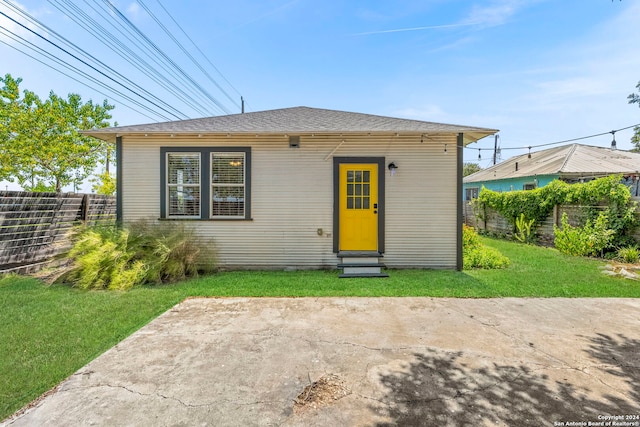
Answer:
(84, 213)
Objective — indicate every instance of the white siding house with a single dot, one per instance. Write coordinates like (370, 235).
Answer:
(301, 187)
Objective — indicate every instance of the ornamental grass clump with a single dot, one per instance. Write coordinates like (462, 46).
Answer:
(477, 255)
(628, 254)
(142, 253)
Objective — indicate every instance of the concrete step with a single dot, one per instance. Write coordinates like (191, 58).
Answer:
(354, 275)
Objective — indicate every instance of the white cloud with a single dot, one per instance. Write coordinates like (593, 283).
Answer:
(497, 13)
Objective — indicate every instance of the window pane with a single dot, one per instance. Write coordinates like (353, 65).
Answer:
(365, 203)
(183, 168)
(358, 176)
(366, 176)
(358, 203)
(349, 189)
(365, 189)
(358, 189)
(349, 202)
(184, 200)
(349, 176)
(228, 201)
(227, 168)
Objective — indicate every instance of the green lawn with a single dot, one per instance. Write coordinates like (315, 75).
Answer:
(48, 332)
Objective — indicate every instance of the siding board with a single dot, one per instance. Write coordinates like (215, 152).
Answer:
(292, 197)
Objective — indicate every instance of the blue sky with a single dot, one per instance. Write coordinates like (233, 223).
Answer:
(539, 70)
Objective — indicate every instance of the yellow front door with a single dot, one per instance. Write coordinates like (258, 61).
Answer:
(358, 207)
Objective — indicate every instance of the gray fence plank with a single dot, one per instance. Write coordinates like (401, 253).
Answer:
(34, 227)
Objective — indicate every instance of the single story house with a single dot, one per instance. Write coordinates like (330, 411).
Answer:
(570, 163)
(302, 187)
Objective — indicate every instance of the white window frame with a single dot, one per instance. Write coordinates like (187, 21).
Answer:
(170, 185)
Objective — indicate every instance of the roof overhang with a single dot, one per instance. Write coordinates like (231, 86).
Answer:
(110, 134)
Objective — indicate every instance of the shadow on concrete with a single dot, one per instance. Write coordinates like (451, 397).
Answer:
(437, 389)
(621, 357)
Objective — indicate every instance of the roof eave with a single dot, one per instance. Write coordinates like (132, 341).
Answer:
(111, 134)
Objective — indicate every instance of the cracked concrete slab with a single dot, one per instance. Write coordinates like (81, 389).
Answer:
(404, 361)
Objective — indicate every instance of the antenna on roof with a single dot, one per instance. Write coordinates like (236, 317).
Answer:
(242, 102)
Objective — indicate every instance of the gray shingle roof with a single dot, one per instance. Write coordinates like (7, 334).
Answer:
(296, 120)
(575, 160)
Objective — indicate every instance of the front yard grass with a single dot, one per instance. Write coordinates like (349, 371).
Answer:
(49, 332)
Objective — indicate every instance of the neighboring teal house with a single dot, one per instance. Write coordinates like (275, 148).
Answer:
(570, 163)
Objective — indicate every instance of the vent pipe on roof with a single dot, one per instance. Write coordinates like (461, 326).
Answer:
(516, 166)
(613, 143)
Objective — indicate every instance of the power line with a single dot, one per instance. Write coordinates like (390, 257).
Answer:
(557, 142)
(175, 113)
(184, 50)
(199, 50)
(164, 56)
(49, 56)
(163, 70)
(116, 45)
(45, 54)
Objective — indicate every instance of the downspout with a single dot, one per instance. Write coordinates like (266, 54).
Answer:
(459, 158)
(119, 180)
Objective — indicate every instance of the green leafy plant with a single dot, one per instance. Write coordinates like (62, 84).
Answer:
(477, 255)
(524, 229)
(142, 253)
(589, 240)
(628, 254)
(603, 195)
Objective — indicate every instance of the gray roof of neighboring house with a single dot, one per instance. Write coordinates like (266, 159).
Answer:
(575, 160)
(296, 120)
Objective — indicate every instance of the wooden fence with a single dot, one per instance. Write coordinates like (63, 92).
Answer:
(496, 223)
(34, 226)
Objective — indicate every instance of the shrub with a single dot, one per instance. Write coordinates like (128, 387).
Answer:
(477, 255)
(524, 229)
(537, 205)
(629, 254)
(470, 237)
(120, 258)
(485, 258)
(589, 240)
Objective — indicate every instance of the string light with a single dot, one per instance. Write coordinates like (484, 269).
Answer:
(529, 147)
(613, 142)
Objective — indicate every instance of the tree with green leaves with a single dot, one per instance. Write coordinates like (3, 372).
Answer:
(634, 98)
(41, 146)
(468, 168)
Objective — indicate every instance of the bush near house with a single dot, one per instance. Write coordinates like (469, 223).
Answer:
(142, 253)
(477, 255)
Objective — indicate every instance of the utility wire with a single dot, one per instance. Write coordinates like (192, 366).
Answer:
(175, 113)
(163, 55)
(185, 51)
(168, 74)
(18, 39)
(199, 50)
(109, 40)
(557, 142)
